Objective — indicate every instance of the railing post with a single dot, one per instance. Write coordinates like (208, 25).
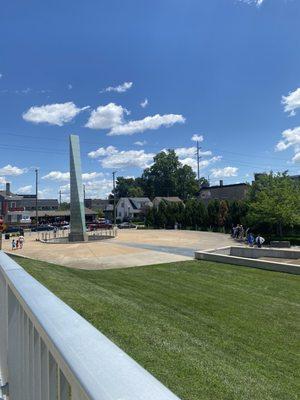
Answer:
(3, 331)
(37, 364)
(53, 381)
(64, 389)
(14, 347)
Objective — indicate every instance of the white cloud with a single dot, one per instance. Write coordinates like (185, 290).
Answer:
(2, 180)
(91, 175)
(111, 157)
(291, 102)
(25, 189)
(45, 193)
(192, 162)
(256, 2)
(106, 117)
(65, 176)
(225, 172)
(70, 86)
(111, 116)
(197, 138)
(128, 159)
(291, 138)
(12, 170)
(57, 176)
(102, 151)
(144, 103)
(119, 89)
(53, 114)
(151, 122)
(190, 152)
(296, 158)
(140, 143)
(93, 189)
(1, 76)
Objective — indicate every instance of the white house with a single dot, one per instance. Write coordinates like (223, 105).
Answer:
(132, 207)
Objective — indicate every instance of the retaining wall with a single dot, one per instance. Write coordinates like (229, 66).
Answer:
(223, 255)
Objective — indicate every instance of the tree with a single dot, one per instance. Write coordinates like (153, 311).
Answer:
(168, 177)
(223, 213)
(135, 191)
(128, 187)
(274, 199)
(160, 218)
(186, 184)
(213, 213)
(64, 206)
(149, 219)
(160, 178)
(100, 213)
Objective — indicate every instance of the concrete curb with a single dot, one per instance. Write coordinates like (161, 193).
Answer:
(223, 255)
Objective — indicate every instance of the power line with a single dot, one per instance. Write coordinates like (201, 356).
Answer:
(62, 152)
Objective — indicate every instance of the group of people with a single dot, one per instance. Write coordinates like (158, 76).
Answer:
(17, 243)
(238, 232)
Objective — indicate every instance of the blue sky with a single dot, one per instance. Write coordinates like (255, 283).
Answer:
(134, 77)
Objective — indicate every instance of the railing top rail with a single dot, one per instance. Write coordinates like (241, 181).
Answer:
(87, 357)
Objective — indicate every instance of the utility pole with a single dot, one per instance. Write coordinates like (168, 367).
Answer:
(198, 161)
(84, 195)
(60, 198)
(114, 192)
(36, 199)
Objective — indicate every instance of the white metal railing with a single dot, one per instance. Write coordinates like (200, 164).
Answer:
(56, 236)
(49, 352)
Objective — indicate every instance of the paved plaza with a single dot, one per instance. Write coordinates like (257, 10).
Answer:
(130, 248)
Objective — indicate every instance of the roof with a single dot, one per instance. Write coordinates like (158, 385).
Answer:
(140, 199)
(30, 202)
(11, 197)
(223, 186)
(169, 199)
(59, 213)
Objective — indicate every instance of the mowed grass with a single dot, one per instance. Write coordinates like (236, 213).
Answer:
(206, 330)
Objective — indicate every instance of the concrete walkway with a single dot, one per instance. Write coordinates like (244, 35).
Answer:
(131, 248)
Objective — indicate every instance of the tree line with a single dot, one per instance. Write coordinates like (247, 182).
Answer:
(272, 206)
(194, 214)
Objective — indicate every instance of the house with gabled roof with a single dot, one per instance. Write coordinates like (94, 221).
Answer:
(167, 200)
(130, 208)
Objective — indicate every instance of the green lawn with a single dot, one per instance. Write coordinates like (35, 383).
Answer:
(206, 330)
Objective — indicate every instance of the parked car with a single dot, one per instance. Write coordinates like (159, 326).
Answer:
(12, 229)
(65, 227)
(127, 225)
(41, 228)
(99, 225)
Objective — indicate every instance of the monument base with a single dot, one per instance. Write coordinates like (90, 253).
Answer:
(78, 237)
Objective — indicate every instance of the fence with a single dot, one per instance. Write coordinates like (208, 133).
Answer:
(61, 236)
(49, 352)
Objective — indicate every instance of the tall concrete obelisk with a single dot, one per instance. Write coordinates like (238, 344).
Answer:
(77, 218)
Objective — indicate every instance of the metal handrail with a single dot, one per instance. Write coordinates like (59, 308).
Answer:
(48, 351)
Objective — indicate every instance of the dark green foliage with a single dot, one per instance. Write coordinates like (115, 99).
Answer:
(166, 177)
(195, 214)
(223, 214)
(64, 206)
(237, 212)
(213, 213)
(128, 187)
(274, 201)
(207, 331)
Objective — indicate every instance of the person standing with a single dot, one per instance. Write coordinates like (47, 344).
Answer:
(21, 241)
(13, 244)
(250, 239)
(259, 240)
